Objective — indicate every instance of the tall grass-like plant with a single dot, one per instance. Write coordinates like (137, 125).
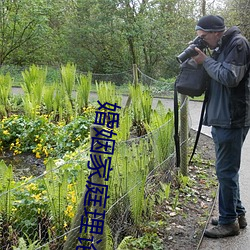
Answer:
(62, 106)
(123, 133)
(48, 98)
(137, 175)
(5, 90)
(83, 91)
(161, 128)
(33, 85)
(68, 74)
(6, 184)
(141, 103)
(146, 100)
(106, 92)
(136, 93)
(56, 184)
(130, 169)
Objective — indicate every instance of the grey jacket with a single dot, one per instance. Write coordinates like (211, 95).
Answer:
(228, 103)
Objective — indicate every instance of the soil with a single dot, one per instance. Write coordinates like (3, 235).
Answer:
(24, 164)
(180, 219)
(188, 221)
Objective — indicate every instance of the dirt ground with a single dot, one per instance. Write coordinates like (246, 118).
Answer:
(187, 223)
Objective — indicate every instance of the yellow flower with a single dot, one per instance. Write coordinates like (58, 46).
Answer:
(45, 151)
(38, 155)
(73, 199)
(14, 209)
(31, 187)
(69, 211)
(6, 132)
(17, 152)
(37, 196)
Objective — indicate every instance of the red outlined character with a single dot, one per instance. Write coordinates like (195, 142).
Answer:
(98, 164)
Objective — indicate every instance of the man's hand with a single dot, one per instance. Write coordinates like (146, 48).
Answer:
(200, 58)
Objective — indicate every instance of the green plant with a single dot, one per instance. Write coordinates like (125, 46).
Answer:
(130, 170)
(83, 91)
(68, 74)
(56, 187)
(161, 129)
(6, 196)
(29, 245)
(43, 137)
(5, 90)
(30, 208)
(176, 199)
(34, 81)
(184, 181)
(141, 109)
(48, 98)
(165, 190)
(106, 92)
(147, 241)
(123, 132)
(62, 104)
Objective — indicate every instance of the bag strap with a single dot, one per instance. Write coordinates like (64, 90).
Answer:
(199, 127)
(176, 126)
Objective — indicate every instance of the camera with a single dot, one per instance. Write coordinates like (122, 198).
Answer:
(190, 51)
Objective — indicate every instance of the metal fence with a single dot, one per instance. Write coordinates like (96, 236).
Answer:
(47, 211)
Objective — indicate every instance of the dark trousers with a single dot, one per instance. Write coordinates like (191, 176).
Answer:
(228, 145)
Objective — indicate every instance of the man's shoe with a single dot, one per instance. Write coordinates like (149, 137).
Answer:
(221, 231)
(241, 219)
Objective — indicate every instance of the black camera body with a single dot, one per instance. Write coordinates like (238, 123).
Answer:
(190, 51)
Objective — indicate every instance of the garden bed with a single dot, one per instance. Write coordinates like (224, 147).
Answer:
(179, 221)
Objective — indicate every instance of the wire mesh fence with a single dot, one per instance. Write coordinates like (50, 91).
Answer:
(39, 212)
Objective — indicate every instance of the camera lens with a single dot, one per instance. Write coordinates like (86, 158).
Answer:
(187, 53)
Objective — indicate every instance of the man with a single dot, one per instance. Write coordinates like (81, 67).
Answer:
(228, 112)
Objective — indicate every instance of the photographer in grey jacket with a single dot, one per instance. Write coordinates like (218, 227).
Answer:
(228, 112)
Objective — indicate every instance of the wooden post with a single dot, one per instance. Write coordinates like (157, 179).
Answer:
(96, 179)
(135, 74)
(184, 135)
(72, 238)
(135, 82)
